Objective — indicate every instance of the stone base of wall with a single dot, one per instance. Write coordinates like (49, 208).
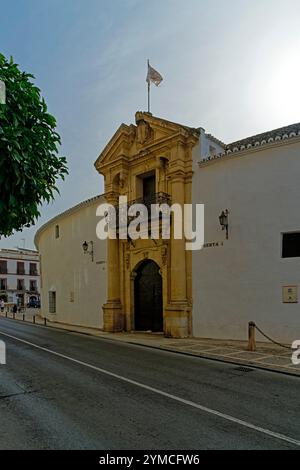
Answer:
(113, 317)
(177, 320)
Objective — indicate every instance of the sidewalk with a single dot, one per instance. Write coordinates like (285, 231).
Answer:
(267, 356)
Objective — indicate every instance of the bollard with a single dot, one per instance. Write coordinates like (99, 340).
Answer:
(45, 321)
(33, 318)
(251, 336)
(23, 316)
(6, 313)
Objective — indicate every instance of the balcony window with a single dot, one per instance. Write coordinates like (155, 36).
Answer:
(156, 198)
(33, 269)
(32, 286)
(3, 267)
(148, 187)
(20, 268)
(3, 284)
(20, 284)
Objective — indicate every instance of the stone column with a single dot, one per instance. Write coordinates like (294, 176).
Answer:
(178, 268)
(160, 175)
(177, 312)
(112, 310)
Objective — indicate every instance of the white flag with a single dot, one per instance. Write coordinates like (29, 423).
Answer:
(153, 76)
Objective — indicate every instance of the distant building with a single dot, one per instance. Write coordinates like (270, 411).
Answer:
(19, 276)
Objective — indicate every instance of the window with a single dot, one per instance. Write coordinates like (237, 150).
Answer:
(32, 269)
(20, 267)
(20, 284)
(291, 245)
(3, 267)
(32, 285)
(148, 187)
(52, 302)
(3, 284)
(56, 231)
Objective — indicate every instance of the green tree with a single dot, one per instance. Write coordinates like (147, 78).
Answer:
(29, 162)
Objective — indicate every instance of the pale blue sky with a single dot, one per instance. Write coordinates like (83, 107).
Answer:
(230, 66)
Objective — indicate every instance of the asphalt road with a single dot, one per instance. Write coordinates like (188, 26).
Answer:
(70, 391)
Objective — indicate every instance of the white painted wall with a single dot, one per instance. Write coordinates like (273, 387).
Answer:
(205, 142)
(69, 272)
(242, 280)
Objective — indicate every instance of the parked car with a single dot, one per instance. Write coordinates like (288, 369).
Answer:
(33, 303)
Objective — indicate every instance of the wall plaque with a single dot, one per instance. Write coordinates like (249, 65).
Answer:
(290, 294)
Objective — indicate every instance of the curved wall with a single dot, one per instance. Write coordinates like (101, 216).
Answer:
(78, 282)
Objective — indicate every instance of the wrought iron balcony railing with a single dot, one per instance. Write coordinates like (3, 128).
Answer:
(121, 211)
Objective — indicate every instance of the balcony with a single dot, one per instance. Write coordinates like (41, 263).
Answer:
(122, 210)
(33, 272)
(21, 271)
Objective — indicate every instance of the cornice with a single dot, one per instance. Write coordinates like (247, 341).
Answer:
(276, 142)
(70, 211)
(124, 130)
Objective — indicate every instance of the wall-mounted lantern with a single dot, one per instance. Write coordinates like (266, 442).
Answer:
(85, 246)
(223, 218)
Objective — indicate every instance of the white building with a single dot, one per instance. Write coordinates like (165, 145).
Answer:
(73, 281)
(19, 276)
(253, 275)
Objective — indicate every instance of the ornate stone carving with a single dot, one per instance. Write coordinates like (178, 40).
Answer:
(143, 132)
(127, 260)
(164, 254)
(130, 154)
(123, 179)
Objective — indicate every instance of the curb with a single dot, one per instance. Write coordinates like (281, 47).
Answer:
(216, 359)
(161, 348)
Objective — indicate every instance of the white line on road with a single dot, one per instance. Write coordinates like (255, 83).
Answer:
(227, 417)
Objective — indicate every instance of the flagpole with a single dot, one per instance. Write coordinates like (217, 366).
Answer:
(148, 89)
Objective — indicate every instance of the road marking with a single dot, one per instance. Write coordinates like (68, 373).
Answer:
(224, 416)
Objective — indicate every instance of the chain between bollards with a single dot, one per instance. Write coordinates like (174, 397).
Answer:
(251, 337)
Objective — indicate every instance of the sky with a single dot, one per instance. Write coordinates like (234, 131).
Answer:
(230, 66)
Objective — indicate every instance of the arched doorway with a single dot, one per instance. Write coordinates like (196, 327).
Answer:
(148, 305)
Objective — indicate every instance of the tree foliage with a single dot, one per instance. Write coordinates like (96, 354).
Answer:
(29, 162)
